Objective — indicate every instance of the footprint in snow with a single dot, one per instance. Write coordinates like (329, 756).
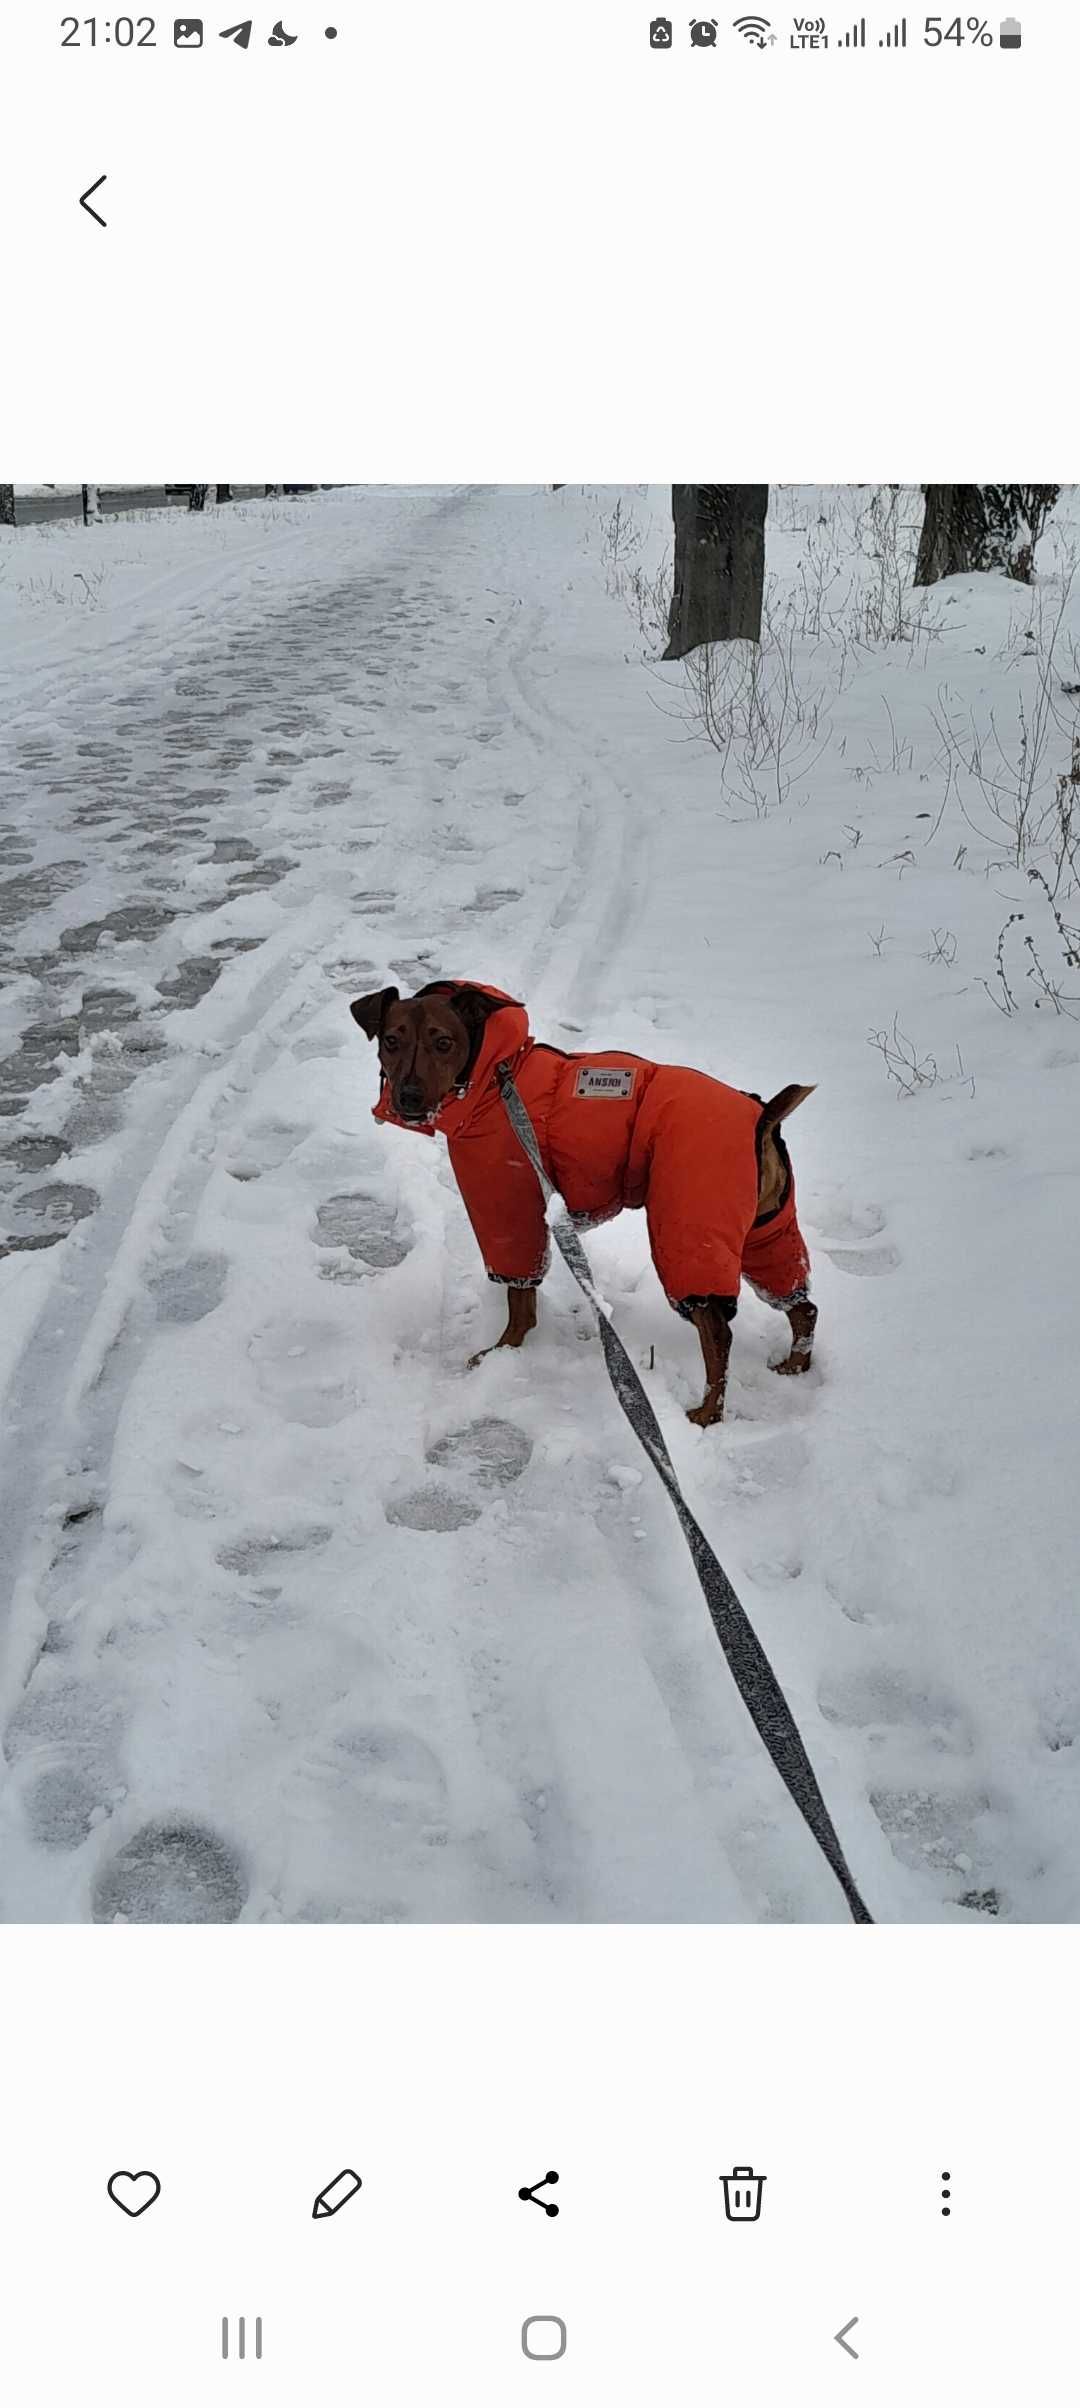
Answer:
(492, 898)
(267, 872)
(487, 1454)
(836, 1220)
(63, 1741)
(174, 1870)
(233, 848)
(395, 1763)
(414, 970)
(493, 1453)
(354, 976)
(308, 1369)
(188, 1291)
(190, 981)
(318, 1049)
(840, 1230)
(765, 1463)
(866, 1262)
(887, 1700)
(433, 1507)
(262, 1551)
(934, 1832)
(263, 1147)
(52, 1212)
(365, 1227)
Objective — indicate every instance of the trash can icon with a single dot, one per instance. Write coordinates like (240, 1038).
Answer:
(742, 2195)
(1010, 33)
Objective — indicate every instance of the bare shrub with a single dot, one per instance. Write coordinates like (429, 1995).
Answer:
(755, 705)
(909, 1070)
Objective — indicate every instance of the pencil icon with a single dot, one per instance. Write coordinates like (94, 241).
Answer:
(337, 2193)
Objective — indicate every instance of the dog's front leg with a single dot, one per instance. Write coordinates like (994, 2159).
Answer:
(521, 1318)
(714, 1331)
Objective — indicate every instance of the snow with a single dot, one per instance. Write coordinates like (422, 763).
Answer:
(301, 1620)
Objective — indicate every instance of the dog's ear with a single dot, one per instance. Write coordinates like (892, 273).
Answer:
(369, 1011)
(475, 1009)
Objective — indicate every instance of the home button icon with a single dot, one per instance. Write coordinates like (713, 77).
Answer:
(543, 2337)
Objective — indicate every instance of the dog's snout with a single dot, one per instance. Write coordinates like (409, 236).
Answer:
(411, 1096)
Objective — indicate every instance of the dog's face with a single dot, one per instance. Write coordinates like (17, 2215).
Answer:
(427, 1044)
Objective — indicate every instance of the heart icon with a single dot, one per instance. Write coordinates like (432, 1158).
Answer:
(134, 2192)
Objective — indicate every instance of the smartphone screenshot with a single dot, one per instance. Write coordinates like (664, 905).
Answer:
(539, 1202)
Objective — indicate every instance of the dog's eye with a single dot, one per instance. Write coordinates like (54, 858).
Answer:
(442, 1044)
(389, 1044)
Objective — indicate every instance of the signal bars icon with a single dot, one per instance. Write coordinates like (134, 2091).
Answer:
(897, 39)
(856, 39)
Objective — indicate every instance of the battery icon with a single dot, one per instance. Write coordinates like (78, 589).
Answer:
(1010, 33)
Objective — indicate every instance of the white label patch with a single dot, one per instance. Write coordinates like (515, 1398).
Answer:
(619, 1083)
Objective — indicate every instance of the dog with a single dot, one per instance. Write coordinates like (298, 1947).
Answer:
(706, 1162)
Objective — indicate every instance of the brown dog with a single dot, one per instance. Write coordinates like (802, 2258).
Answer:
(706, 1161)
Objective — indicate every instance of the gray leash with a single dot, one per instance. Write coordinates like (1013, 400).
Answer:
(753, 1674)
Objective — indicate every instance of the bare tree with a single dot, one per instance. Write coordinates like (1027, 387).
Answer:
(224, 493)
(197, 496)
(91, 505)
(7, 505)
(719, 574)
(982, 527)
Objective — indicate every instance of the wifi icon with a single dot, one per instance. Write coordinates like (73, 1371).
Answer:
(752, 29)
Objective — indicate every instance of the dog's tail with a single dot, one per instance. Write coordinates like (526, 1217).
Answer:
(781, 1106)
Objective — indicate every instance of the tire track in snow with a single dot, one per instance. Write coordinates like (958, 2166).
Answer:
(582, 936)
(66, 1395)
(593, 919)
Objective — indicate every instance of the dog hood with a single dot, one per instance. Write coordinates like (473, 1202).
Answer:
(505, 1038)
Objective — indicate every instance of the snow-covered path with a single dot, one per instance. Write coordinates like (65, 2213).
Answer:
(303, 1621)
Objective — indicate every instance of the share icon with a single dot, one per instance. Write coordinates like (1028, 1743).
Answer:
(549, 2205)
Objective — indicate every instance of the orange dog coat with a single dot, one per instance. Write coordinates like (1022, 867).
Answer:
(616, 1133)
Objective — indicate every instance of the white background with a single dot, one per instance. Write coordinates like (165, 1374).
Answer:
(509, 244)
(512, 242)
(450, 2069)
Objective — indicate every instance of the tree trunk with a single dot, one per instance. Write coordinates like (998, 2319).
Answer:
(719, 565)
(224, 493)
(974, 528)
(7, 505)
(91, 505)
(197, 496)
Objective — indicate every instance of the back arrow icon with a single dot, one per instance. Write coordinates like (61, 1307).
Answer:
(849, 2327)
(84, 200)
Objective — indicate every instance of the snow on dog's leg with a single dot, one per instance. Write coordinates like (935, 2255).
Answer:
(803, 1319)
(714, 1330)
(521, 1318)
